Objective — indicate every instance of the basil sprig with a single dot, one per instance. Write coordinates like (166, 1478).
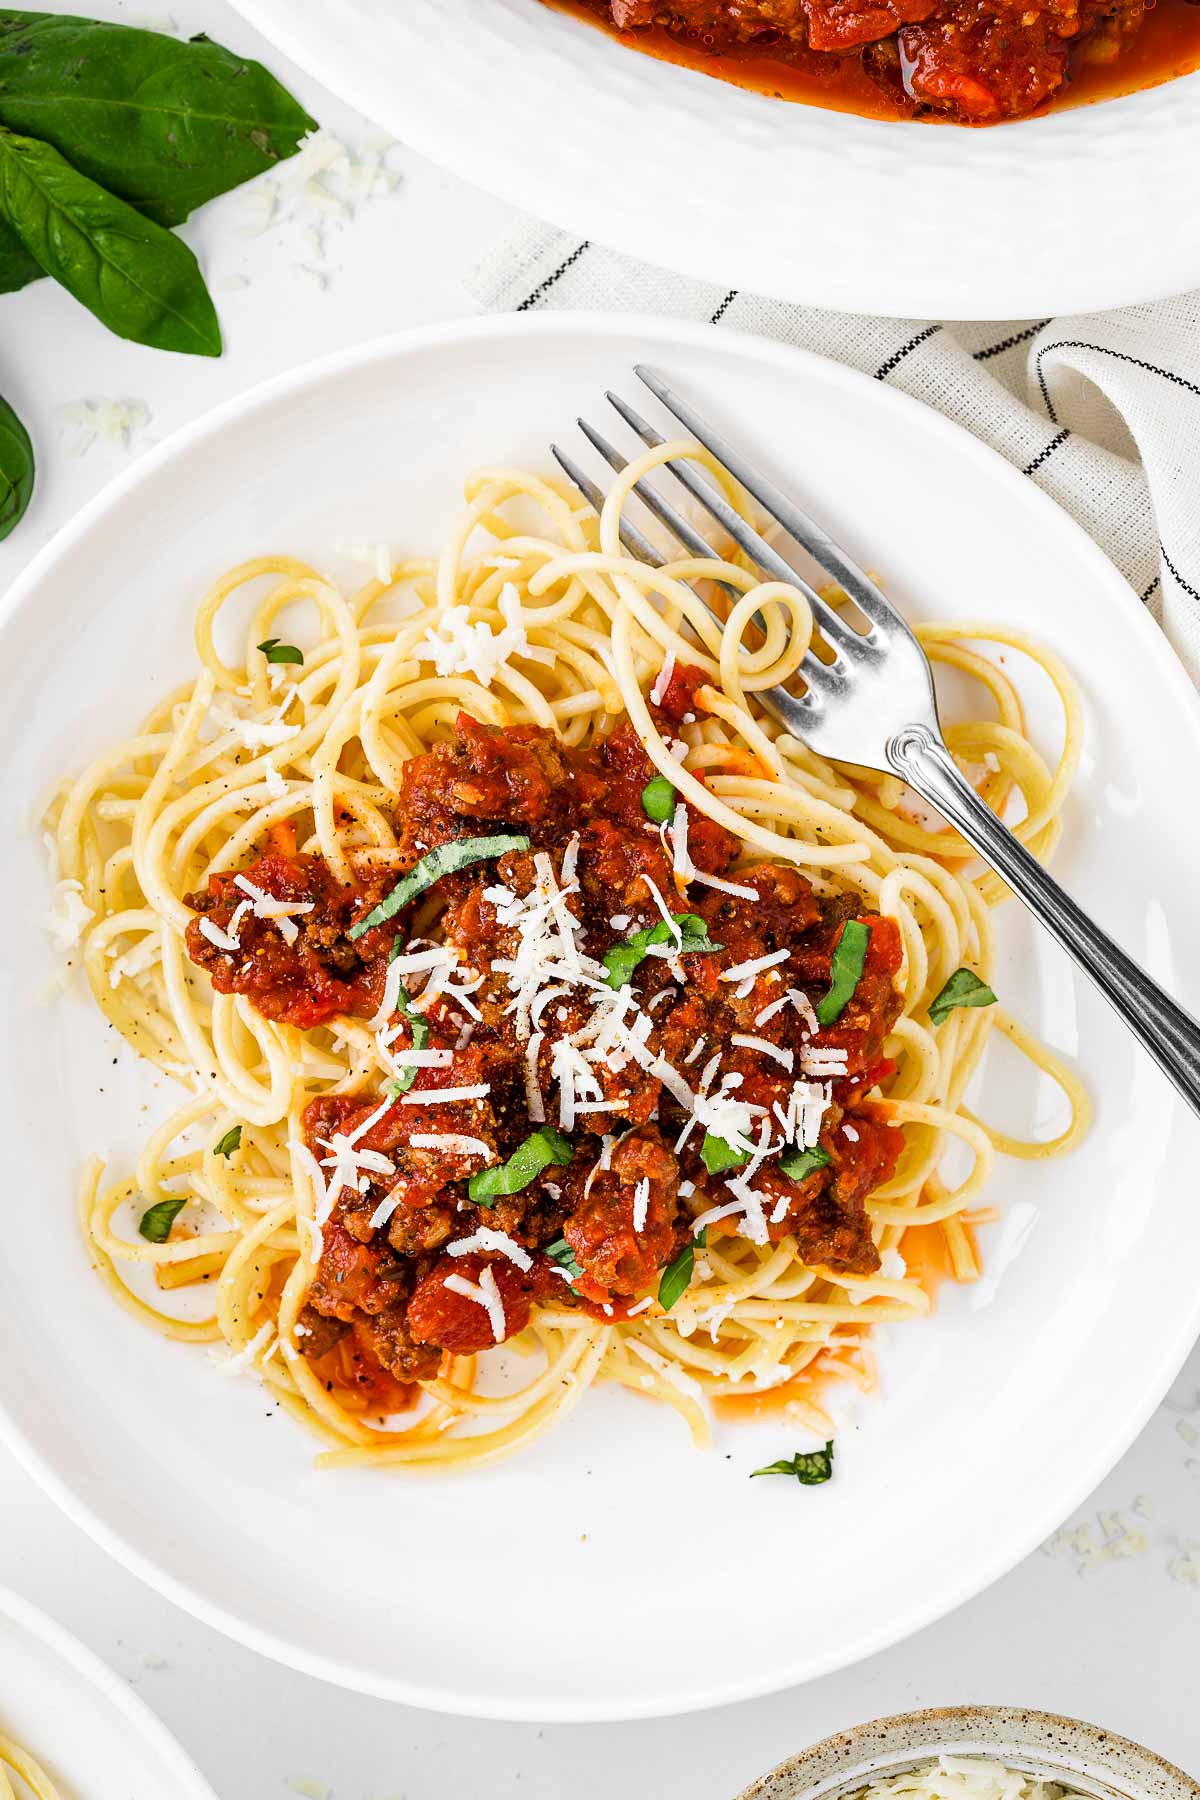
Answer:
(658, 800)
(799, 1164)
(164, 123)
(16, 469)
(108, 136)
(718, 1156)
(541, 1148)
(845, 971)
(138, 278)
(229, 1143)
(810, 1467)
(964, 988)
(447, 859)
(275, 652)
(623, 959)
(156, 1222)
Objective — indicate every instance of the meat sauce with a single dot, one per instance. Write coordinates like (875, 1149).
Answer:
(973, 62)
(379, 1315)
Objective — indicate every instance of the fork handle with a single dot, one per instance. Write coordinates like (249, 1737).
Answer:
(1171, 1035)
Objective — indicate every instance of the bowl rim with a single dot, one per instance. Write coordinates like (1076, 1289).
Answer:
(1065, 1748)
(780, 180)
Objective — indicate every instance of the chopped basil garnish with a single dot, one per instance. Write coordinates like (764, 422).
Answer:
(676, 1277)
(845, 971)
(801, 1163)
(420, 1031)
(156, 1222)
(658, 800)
(964, 988)
(275, 652)
(810, 1467)
(719, 1156)
(229, 1143)
(447, 859)
(540, 1149)
(623, 958)
(560, 1252)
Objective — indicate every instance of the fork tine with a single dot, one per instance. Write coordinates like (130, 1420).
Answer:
(807, 533)
(840, 635)
(662, 509)
(637, 545)
(793, 711)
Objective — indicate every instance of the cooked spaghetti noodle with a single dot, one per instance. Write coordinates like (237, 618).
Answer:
(533, 618)
(21, 1776)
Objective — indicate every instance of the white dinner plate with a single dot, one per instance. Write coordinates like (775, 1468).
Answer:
(1077, 210)
(95, 1739)
(612, 1570)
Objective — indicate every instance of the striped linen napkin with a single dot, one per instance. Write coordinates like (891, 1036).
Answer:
(1102, 410)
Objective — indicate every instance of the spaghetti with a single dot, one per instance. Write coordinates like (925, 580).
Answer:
(21, 1775)
(533, 638)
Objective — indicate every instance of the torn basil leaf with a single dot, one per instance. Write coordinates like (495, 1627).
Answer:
(447, 859)
(156, 1222)
(420, 1032)
(561, 1253)
(275, 652)
(845, 971)
(964, 988)
(800, 1164)
(719, 1156)
(229, 1143)
(541, 1148)
(676, 1277)
(810, 1467)
(624, 958)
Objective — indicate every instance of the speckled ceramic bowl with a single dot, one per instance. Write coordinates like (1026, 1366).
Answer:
(1082, 1757)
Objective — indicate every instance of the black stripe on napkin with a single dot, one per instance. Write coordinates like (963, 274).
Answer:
(1010, 343)
(898, 356)
(1045, 454)
(724, 307)
(1185, 585)
(543, 288)
(1103, 350)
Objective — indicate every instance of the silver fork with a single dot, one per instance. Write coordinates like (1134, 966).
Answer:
(874, 704)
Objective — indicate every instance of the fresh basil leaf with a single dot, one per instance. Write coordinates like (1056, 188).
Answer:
(845, 971)
(17, 267)
(560, 1252)
(676, 1277)
(156, 1222)
(229, 1143)
(447, 859)
(419, 1026)
(658, 800)
(810, 1467)
(541, 1148)
(138, 279)
(624, 958)
(719, 1156)
(275, 652)
(799, 1164)
(16, 470)
(964, 988)
(164, 124)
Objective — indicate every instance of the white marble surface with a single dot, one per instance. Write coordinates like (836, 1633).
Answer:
(1103, 1623)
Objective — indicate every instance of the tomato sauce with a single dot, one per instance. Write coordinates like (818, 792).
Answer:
(417, 1263)
(1166, 46)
